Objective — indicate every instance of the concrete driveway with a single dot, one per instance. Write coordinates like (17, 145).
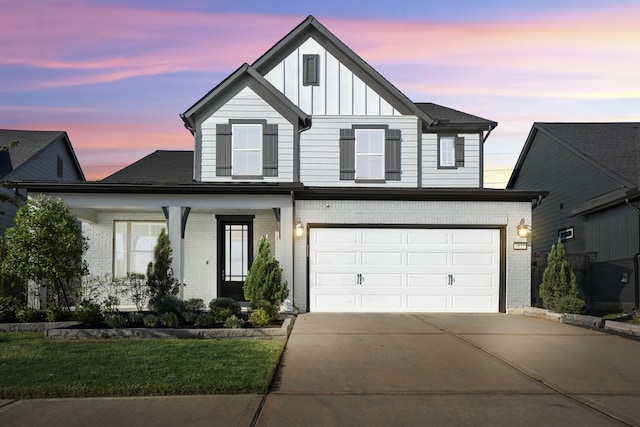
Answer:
(452, 369)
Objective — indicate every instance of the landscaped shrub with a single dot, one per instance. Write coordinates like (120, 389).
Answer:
(222, 308)
(194, 305)
(204, 320)
(27, 314)
(115, 320)
(160, 280)
(189, 317)
(54, 313)
(166, 304)
(136, 288)
(8, 306)
(259, 318)
(150, 321)
(559, 289)
(233, 322)
(135, 318)
(88, 313)
(170, 320)
(264, 279)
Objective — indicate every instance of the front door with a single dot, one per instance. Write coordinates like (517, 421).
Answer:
(235, 254)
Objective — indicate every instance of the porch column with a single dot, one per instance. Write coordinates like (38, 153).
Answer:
(285, 244)
(176, 222)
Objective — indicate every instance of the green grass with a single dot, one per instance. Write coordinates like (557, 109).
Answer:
(32, 367)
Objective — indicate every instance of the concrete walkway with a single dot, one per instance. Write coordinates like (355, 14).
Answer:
(414, 369)
(402, 369)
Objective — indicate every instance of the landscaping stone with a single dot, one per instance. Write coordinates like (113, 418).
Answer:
(34, 326)
(623, 327)
(268, 333)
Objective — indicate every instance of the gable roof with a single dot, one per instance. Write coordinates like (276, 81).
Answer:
(246, 76)
(613, 148)
(444, 117)
(31, 143)
(311, 27)
(161, 166)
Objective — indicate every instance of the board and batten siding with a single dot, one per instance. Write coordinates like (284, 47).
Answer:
(462, 177)
(246, 105)
(570, 180)
(338, 92)
(320, 150)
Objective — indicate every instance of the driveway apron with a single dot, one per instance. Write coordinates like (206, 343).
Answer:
(452, 369)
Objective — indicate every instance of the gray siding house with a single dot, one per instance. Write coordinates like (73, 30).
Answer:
(592, 173)
(37, 156)
(371, 202)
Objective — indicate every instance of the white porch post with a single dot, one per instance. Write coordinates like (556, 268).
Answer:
(174, 225)
(285, 245)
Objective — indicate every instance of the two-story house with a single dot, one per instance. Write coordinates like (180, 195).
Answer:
(371, 202)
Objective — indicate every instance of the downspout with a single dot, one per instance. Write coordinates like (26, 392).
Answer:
(636, 261)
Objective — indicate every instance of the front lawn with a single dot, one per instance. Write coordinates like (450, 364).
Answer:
(32, 367)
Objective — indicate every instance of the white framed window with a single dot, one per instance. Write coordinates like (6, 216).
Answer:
(369, 153)
(133, 244)
(247, 149)
(447, 148)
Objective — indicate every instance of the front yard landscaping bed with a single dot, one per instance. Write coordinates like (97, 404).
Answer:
(34, 367)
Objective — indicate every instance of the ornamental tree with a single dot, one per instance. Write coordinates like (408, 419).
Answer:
(160, 280)
(46, 245)
(264, 279)
(559, 289)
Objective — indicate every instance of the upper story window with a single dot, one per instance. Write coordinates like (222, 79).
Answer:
(60, 167)
(450, 152)
(310, 70)
(247, 149)
(133, 245)
(369, 153)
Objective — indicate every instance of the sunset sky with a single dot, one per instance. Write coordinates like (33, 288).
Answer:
(116, 74)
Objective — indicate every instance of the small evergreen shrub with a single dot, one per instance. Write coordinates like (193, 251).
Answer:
(189, 317)
(222, 308)
(115, 320)
(88, 313)
(150, 321)
(160, 280)
(264, 279)
(204, 320)
(135, 318)
(54, 313)
(27, 314)
(166, 304)
(269, 308)
(194, 305)
(233, 322)
(559, 288)
(259, 318)
(170, 320)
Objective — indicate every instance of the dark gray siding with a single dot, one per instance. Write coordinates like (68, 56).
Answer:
(44, 165)
(613, 234)
(570, 180)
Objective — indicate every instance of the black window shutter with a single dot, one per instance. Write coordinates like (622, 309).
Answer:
(392, 155)
(459, 151)
(223, 149)
(270, 150)
(347, 154)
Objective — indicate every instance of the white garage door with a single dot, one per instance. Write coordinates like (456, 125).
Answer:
(409, 270)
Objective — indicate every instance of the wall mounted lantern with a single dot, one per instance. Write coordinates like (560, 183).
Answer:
(523, 229)
(299, 229)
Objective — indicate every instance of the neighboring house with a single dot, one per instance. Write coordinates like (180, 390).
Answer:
(592, 173)
(37, 156)
(371, 202)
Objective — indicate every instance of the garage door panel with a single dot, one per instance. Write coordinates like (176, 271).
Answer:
(392, 259)
(422, 270)
(427, 280)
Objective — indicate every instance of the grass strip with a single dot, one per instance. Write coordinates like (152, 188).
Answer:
(33, 367)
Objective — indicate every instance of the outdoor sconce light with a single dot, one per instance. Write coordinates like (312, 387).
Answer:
(299, 229)
(523, 229)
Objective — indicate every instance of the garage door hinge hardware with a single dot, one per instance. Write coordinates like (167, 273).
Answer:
(451, 280)
(359, 279)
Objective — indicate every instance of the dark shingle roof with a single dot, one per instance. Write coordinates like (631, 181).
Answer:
(445, 115)
(161, 166)
(613, 146)
(30, 143)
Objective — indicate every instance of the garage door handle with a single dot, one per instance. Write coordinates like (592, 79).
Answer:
(359, 279)
(451, 280)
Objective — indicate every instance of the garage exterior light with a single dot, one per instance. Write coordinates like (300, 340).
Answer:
(299, 229)
(523, 229)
